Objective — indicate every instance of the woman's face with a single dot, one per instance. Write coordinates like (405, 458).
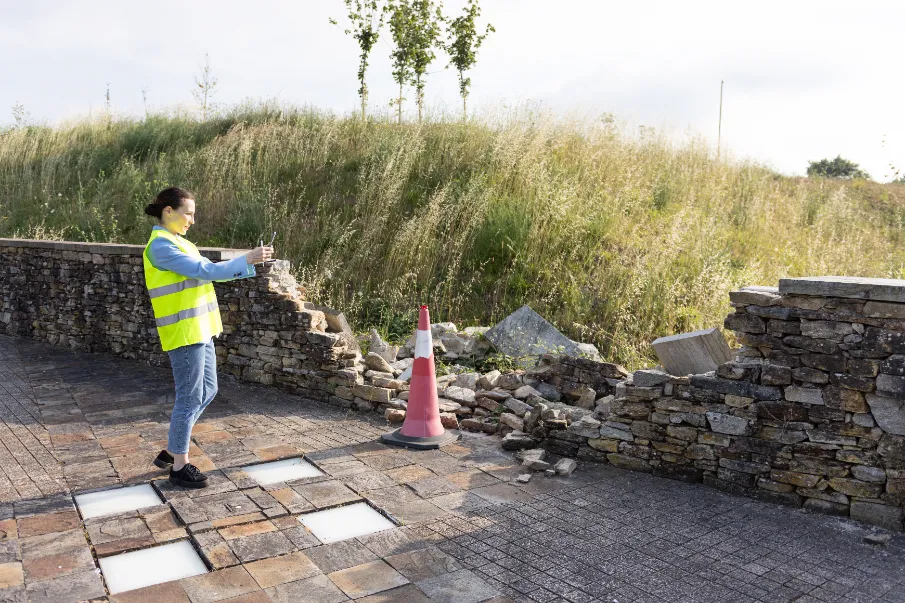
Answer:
(178, 221)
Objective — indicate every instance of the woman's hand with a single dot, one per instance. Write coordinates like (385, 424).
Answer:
(259, 254)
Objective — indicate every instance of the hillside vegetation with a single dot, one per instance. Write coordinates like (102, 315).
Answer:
(616, 239)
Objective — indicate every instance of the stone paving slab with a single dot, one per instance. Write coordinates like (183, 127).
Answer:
(466, 531)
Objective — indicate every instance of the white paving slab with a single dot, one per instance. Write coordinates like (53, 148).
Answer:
(281, 471)
(346, 522)
(119, 500)
(147, 567)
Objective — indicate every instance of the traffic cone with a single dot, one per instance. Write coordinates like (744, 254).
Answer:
(422, 428)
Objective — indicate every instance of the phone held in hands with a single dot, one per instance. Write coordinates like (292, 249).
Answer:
(270, 244)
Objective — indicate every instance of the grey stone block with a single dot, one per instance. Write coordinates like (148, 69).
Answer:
(525, 334)
(888, 412)
(878, 515)
(854, 287)
(692, 353)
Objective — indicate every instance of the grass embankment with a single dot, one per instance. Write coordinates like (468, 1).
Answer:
(615, 239)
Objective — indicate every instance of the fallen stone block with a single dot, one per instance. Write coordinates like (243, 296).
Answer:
(489, 381)
(516, 440)
(460, 395)
(524, 392)
(526, 335)
(523, 478)
(692, 353)
(449, 420)
(878, 539)
(565, 466)
(883, 516)
(536, 465)
(394, 415)
(533, 454)
(517, 406)
(479, 425)
(381, 348)
(510, 420)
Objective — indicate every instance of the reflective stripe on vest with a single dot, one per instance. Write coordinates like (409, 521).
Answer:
(185, 309)
(176, 287)
(172, 319)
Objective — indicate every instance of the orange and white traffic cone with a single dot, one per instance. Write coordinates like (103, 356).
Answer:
(422, 428)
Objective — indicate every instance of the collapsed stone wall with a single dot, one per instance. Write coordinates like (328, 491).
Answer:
(92, 297)
(811, 412)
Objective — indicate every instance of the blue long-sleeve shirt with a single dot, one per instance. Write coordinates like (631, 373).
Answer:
(165, 255)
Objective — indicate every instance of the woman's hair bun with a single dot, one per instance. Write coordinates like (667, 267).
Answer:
(153, 209)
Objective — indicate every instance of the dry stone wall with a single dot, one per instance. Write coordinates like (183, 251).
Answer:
(92, 297)
(810, 412)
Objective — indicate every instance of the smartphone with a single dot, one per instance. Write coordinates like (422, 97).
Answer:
(270, 244)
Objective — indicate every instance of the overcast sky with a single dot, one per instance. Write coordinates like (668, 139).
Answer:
(804, 80)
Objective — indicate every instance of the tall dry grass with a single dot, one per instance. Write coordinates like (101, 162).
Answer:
(616, 239)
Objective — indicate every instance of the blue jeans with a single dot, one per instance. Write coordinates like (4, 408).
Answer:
(195, 373)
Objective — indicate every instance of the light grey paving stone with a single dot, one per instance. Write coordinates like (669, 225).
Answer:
(457, 587)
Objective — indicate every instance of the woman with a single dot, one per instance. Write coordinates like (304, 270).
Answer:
(187, 317)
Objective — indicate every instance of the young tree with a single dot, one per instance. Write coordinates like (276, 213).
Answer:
(401, 55)
(21, 116)
(205, 88)
(415, 25)
(462, 45)
(367, 18)
(836, 168)
(144, 100)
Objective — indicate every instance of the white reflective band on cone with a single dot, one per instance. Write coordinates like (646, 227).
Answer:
(423, 344)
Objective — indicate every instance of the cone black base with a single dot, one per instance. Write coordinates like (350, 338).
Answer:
(394, 438)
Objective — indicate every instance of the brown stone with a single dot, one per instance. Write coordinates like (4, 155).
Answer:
(248, 529)
(854, 487)
(604, 445)
(424, 563)
(11, 574)
(236, 519)
(161, 521)
(168, 592)
(803, 480)
(54, 566)
(318, 589)
(47, 523)
(218, 585)
(8, 530)
(52, 544)
(278, 570)
(125, 544)
(367, 579)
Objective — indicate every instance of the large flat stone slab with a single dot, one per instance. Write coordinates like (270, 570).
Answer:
(854, 287)
(692, 353)
(525, 334)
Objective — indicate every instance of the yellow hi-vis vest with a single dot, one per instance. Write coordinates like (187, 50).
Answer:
(185, 309)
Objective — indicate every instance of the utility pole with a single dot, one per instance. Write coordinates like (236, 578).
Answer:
(719, 128)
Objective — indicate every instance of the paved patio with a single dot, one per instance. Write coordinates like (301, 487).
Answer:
(466, 532)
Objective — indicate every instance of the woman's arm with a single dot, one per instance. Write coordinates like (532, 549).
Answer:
(165, 255)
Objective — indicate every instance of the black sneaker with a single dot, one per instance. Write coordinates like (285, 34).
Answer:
(164, 460)
(188, 477)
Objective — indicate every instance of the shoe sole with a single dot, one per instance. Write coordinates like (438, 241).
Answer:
(162, 464)
(187, 484)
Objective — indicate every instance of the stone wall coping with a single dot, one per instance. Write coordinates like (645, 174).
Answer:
(211, 253)
(854, 287)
